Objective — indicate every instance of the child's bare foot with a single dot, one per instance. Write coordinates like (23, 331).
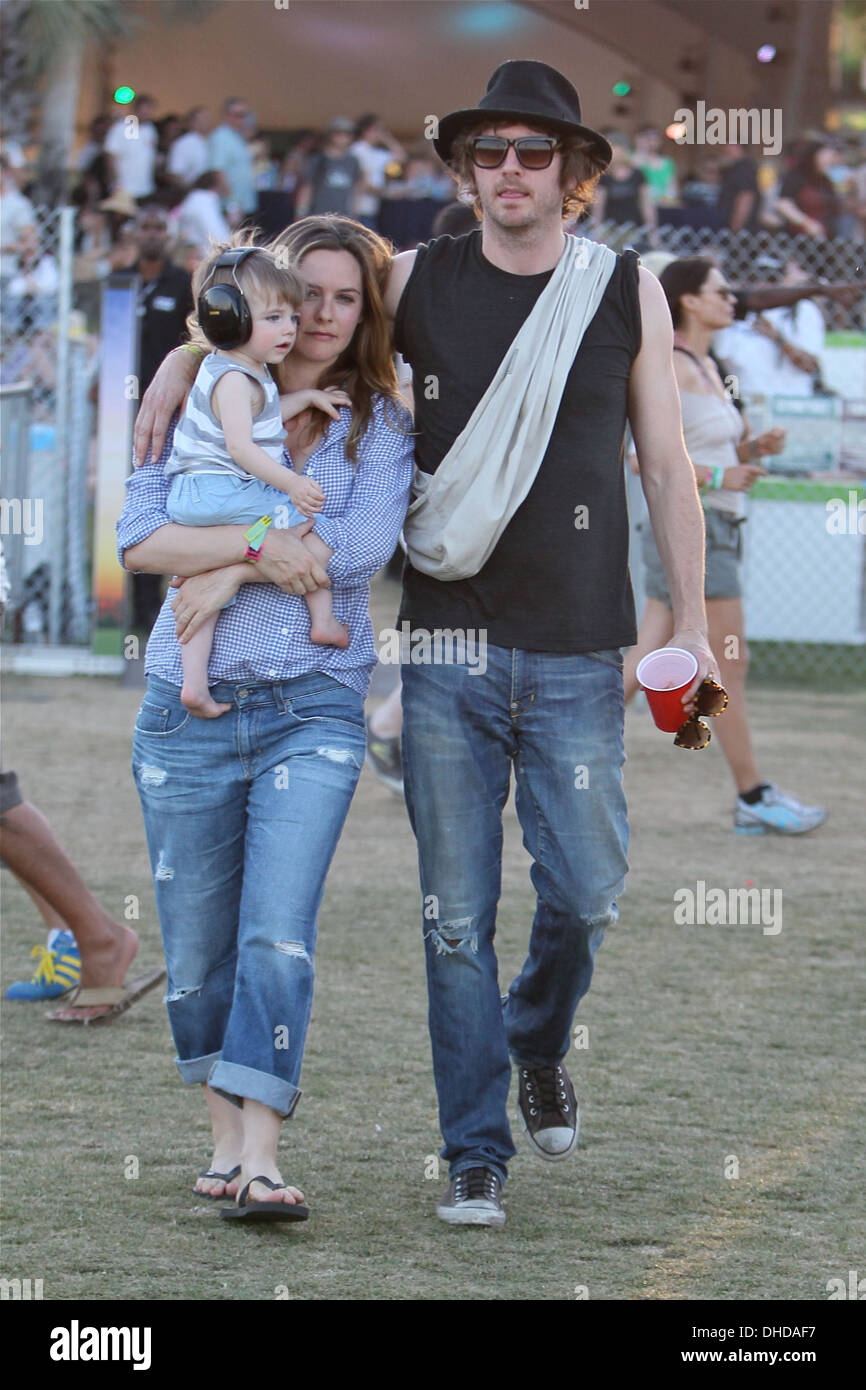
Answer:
(201, 703)
(329, 634)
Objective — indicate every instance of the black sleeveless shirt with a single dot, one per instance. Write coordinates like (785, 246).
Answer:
(558, 578)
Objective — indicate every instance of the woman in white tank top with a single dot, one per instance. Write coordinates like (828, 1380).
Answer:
(726, 466)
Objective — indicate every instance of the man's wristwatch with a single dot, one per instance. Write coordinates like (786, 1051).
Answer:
(254, 538)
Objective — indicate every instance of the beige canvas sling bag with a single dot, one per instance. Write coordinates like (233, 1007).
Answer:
(458, 513)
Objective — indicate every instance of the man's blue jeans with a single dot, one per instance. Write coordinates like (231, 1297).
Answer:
(559, 719)
(242, 815)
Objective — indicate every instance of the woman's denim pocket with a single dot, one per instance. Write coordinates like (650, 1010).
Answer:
(161, 720)
(334, 704)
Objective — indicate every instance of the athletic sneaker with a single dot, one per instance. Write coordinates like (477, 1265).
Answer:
(385, 760)
(548, 1111)
(776, 813)
(58, 969)
(472, 1199)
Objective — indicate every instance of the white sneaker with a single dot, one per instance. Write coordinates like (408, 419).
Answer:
(776, 813)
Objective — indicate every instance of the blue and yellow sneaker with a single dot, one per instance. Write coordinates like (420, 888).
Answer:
(58, 969)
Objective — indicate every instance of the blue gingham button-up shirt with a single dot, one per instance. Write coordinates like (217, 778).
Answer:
(265, 635)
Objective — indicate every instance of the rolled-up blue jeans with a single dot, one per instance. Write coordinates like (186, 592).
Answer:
(558, 719)
(242, 816)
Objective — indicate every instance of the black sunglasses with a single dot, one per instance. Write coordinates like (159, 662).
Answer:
(533, 151)
(711, 700)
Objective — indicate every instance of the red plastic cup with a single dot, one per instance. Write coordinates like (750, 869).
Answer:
(665, 675)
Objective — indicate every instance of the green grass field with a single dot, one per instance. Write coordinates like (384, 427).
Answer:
(711, 1049)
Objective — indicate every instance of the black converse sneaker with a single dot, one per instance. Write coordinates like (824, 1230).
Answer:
(548, 1110)
(472, 1199)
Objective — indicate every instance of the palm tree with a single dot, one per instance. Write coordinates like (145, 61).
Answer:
(43, 48)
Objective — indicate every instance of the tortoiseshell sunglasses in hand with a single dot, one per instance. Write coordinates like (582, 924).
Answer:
(711, 700)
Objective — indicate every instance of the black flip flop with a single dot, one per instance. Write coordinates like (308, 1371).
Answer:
(223, 1177)
(264, 1211)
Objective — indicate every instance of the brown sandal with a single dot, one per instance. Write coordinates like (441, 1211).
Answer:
(120, 997)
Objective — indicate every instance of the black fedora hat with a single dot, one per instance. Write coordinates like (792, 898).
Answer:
(527, 91)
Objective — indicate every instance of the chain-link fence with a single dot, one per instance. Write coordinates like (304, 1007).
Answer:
(47, 365)
(804, 546)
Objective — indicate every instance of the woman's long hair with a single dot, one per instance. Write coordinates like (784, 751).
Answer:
(805, 162)
(684, 276)
(366, 368)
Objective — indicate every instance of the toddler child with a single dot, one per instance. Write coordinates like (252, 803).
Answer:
(226, 465)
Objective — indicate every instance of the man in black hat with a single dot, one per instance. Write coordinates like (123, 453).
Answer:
(552, 606)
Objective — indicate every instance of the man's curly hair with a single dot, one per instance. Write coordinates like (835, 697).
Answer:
(580, 168)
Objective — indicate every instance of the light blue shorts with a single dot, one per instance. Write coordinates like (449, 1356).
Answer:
(223, 499)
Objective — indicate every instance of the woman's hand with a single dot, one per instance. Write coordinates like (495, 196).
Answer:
(743, 476)
(201, 595)
(284, 561)
(770, 442)
(165, 394)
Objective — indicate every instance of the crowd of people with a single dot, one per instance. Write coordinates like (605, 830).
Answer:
(214, 173)
(212, 178)
(206, 174)
(816, 187)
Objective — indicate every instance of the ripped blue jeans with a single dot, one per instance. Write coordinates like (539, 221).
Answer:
(558, 720)
(242, 816)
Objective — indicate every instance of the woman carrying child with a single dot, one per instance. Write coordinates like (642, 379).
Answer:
(243, 812)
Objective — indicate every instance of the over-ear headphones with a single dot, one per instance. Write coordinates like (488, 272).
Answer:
(223, 313)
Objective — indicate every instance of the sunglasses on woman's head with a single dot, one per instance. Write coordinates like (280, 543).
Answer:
(533, 151)
(710, 700)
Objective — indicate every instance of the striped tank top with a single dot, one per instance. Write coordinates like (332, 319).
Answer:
(199, 442)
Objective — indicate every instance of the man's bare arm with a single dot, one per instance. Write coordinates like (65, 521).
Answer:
(667, 473)
(398, 278)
